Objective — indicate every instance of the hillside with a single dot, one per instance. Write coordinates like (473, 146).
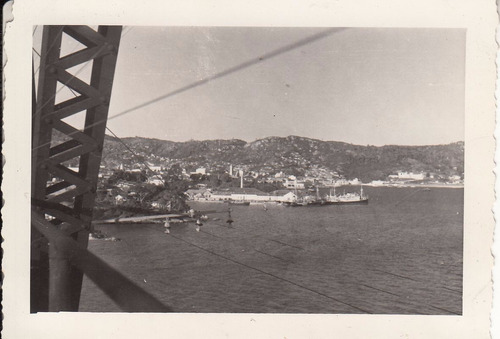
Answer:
(292, 154)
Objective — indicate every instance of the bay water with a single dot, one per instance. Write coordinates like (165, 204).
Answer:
(399, 254)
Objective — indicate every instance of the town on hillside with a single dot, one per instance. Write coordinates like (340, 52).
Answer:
(163, 176)
(147, 188)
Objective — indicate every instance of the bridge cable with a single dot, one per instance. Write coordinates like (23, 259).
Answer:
(221, 74)
(270, 274)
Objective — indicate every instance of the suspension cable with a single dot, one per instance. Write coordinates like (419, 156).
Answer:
(270, 274)
(222, 74)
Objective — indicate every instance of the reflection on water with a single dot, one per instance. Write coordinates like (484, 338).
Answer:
(400, 254)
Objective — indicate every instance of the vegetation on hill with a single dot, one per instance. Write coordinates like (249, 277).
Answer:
(293, 155)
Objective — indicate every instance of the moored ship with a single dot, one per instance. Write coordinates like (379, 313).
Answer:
(346, 198)
(330, 199)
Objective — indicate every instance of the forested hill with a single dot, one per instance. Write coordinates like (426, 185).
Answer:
(292, 155)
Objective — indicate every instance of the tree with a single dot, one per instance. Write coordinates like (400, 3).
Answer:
(214, 180)
(173, 191)
(145, 192)
(196, 177)
(172, 201)
(225, 177)
(127, 176)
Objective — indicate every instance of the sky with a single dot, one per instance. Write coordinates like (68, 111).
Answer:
(366, 86)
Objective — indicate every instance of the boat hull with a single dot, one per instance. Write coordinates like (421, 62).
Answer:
(353, 202)
(327, 203)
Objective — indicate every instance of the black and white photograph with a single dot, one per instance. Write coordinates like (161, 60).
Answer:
(252, 169)
(255, 172)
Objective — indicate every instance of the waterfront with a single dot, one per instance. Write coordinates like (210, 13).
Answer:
(400, 254)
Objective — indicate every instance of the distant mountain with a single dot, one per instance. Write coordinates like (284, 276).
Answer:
(292, 155)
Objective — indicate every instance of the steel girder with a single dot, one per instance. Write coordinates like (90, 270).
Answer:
(62, 194)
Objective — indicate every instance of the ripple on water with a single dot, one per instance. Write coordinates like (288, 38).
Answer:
(400, 254)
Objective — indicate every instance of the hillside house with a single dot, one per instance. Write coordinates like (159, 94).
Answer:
(155, 180)
(201, 171)
(119, 199)
(294, 183)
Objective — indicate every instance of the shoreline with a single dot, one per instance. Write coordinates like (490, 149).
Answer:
(417, 185)
(369, 185)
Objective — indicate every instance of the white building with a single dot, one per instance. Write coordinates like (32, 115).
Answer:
(253, 195)
(279, 175)
(237, 193)
(341, 182)
(199, 194)
(119, 200)
(294, 183)
(201, 170)
(283, 196)
(377, 183)
(155, 180)
(411, 175)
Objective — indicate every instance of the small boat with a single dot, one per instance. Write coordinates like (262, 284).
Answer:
(229, 220)
(296, 203)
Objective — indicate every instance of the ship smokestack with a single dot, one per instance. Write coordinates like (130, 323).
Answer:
(241, 178)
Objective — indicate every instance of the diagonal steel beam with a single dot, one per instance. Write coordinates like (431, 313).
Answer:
(73, 205)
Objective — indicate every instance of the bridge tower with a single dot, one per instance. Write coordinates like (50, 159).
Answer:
(60, 194)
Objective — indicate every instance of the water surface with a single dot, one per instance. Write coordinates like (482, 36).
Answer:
(400, 254)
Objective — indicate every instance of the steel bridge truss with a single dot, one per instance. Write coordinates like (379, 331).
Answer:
(62, 194)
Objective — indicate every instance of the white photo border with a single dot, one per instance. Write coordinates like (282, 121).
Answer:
(478, 17)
